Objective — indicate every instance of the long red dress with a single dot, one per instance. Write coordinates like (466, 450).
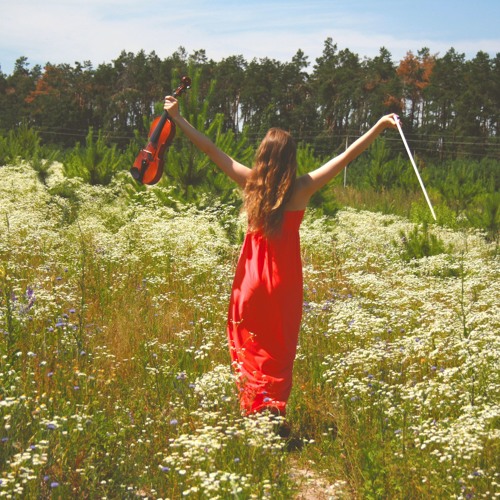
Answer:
(264, 317)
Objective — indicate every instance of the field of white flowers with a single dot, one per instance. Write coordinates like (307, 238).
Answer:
(114, 371)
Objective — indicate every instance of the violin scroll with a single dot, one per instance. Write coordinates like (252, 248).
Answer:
(184, 85)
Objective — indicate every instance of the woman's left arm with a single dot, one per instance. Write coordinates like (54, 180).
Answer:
(312, 181)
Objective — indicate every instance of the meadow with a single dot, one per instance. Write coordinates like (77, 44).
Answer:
(115, 379)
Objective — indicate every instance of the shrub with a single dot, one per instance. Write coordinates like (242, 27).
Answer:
(420, 242)
(96, 163)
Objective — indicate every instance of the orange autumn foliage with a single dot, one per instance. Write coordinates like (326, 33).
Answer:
(415, 71)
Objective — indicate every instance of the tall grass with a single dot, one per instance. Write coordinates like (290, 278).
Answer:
(115, 378)
(408, 353)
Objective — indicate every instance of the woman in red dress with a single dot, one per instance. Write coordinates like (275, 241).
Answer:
(265, 308)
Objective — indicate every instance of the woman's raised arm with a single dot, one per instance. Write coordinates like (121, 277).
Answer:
(309, 183)
(235, 170)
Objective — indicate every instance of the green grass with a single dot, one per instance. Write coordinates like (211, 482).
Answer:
(115, 378)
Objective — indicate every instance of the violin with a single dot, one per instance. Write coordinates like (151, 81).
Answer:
(148, 165)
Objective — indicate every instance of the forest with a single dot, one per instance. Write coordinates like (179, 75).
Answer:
(450, 105)
(96, 119)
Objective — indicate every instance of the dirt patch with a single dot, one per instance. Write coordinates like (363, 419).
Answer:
(313, 487)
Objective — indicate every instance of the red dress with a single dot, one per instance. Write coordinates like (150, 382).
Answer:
(265, 311)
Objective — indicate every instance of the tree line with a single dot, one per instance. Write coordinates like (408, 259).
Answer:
(450, 105)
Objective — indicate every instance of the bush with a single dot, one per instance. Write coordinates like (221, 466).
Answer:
(486, 215)
(20, 143)
(420, 243)
(96, 163)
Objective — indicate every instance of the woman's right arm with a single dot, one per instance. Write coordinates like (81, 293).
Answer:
(235, 170)
(309, 183)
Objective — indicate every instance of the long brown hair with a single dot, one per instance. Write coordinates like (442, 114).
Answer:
(271, 181)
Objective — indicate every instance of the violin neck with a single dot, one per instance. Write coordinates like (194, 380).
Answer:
(155, 136)
(159, 127)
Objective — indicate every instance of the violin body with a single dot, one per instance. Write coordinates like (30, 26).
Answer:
(149, 163)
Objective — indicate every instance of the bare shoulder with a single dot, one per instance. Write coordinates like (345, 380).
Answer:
(301, 193)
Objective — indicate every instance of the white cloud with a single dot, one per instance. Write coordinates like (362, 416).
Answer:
(98, 30)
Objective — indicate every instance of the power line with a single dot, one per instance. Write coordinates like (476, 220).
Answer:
(421, 144)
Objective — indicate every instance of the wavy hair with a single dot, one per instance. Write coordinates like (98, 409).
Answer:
(271, 181)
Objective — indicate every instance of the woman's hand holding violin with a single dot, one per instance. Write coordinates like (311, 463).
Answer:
(171, 106)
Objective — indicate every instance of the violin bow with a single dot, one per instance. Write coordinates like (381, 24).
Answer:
(397, 120)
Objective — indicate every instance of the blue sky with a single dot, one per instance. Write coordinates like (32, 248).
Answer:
(65, 31)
